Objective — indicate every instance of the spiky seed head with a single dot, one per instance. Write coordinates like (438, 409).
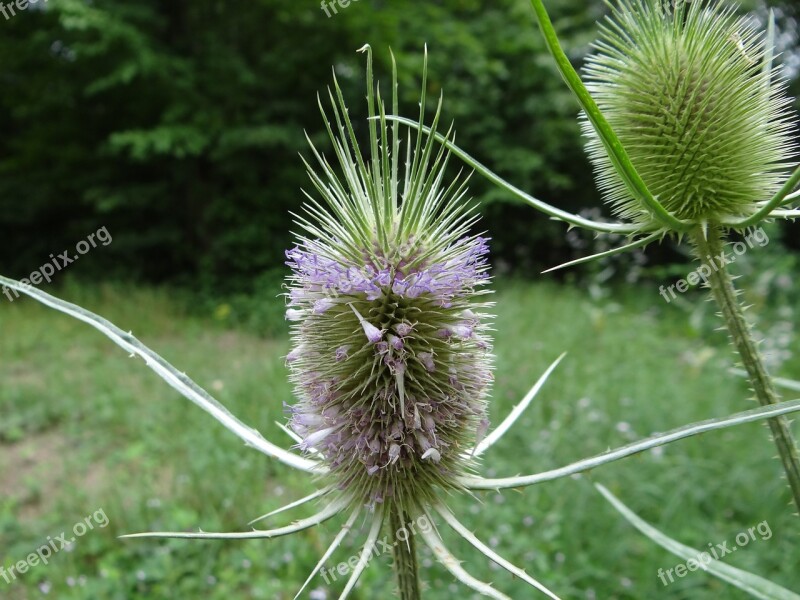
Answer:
(689, 89)
(391, 359)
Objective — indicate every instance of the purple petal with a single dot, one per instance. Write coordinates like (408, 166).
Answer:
(426, 358)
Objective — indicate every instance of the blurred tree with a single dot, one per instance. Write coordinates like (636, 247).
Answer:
(177, 124)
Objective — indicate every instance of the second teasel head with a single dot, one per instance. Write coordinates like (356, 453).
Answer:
(689, 89)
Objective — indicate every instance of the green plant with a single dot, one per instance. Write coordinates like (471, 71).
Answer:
(388, 279)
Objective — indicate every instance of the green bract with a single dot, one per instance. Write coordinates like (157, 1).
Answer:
(688, 91)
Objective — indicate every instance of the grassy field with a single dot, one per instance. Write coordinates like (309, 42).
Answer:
(84, 428)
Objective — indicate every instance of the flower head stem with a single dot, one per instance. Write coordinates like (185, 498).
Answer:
(710, 244)
(405, 557)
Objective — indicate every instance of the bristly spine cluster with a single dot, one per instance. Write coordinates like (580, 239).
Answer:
(391, 361)
(689, 89)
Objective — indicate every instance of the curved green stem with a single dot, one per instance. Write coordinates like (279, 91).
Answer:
(548, 209)
(709, 247)
(405, 557)
(616, 152)
(761, 413)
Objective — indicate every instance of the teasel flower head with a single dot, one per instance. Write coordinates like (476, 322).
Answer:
(690, 91)
(391, 360)
(391, 357)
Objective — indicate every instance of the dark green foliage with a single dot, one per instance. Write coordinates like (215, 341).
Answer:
(177, 125)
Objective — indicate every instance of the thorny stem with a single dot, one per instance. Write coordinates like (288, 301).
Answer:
(405, 557)
(708, 248)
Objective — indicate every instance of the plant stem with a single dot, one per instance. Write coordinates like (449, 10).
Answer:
(405, 557)
(709, 248)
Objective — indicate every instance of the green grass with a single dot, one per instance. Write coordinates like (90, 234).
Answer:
(83, 427)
